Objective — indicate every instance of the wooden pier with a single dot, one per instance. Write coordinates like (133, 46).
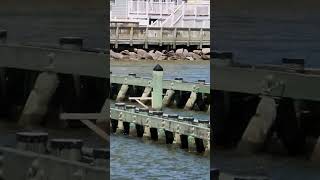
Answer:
(181, 93)
(254, 103)
(160, 36)
(186, 132)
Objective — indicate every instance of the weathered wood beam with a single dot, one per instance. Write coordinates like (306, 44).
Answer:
(65, 61)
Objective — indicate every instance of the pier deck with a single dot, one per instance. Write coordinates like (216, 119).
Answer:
(162, 36)
(65, 61)
(282, 81)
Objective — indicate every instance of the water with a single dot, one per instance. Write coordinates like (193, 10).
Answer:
(189, 71)
(265, 32)
(137, 158)
(134, 158)
(41, 22)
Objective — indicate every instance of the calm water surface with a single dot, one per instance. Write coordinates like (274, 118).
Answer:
(189, 72)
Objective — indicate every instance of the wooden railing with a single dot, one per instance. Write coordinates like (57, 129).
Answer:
(146, 8)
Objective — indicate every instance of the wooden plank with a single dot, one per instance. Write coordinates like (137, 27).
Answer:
(140, 98)
(65, 61)
(77, 116)
(96, 129)
(141, 103)
(104, 110)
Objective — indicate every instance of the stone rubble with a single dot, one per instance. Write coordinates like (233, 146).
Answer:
(179, 54)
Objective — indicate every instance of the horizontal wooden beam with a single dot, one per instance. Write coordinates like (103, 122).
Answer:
(252, 80)
(64, 61)
(81, 116)
(167, 84)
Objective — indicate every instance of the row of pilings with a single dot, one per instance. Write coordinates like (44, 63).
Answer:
(263, 123)
(184, 141)
(187, 100)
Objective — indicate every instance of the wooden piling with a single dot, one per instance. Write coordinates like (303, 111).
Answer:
(190, 103)
(154, 134)
(146, 93)
(37, 103)
(169, 137)
(167, 97)
(259, 125)
(122, 93)
(157, 88)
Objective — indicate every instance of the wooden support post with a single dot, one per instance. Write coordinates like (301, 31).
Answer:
(168, 97)
(132, 129)
(157, 80)
(103, 122)
(146, 93)
(192, 99)
(177, 139)
(184, 141)
(191, 144)
(120, 126)
(154, 134)
(146, 38)
(122, 93)
(259, 125)
(169, 137)
(96, 129)
(315, 156)
(161, 36)
(77, 85)
(140, 130)
(189, 37)
(117, 37)
(161, 135)
(201, 37)
(37, 103)
(207, 147)
(146, 132)
(199, 145)
(175, 38)
(131, 35)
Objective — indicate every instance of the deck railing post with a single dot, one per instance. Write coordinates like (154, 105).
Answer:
(157, 87)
